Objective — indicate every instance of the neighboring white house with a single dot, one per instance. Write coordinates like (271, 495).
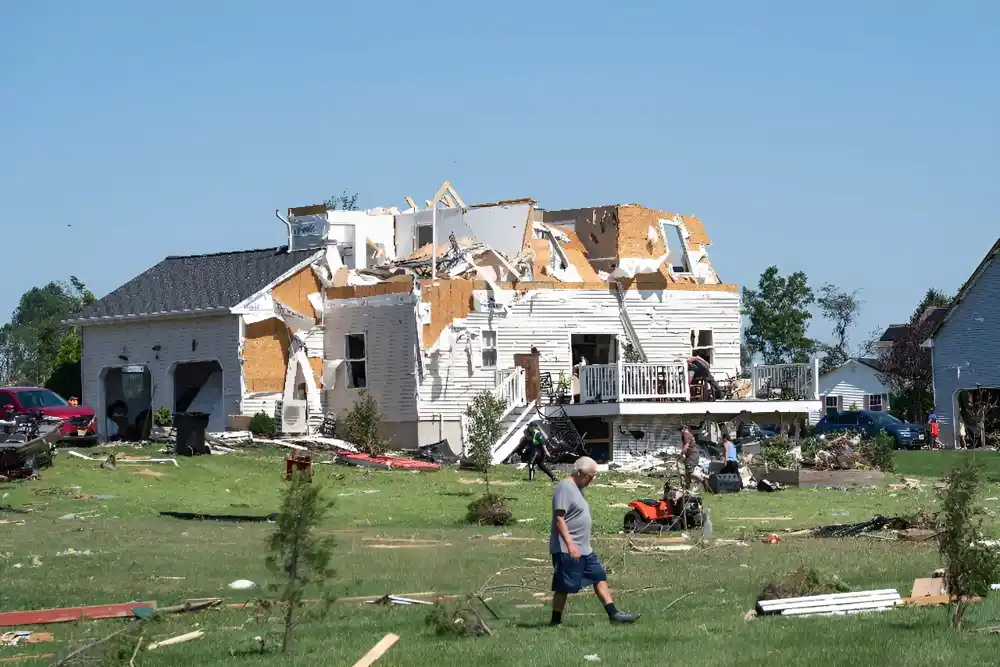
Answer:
(854, 385)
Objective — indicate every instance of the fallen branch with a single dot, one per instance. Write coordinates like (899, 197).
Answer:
(135, 652)
(84, 649)
(686, 595)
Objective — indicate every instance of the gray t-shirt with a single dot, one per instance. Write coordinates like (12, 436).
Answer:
(569, 498)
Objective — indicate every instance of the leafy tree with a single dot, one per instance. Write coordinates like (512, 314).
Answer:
(905, 367)
(484, 414)
(298, 555)
(842, 310)
(34, 343)
(778, 317)
(343, 202)
(970, 566)
(933, 298)
(361, 426)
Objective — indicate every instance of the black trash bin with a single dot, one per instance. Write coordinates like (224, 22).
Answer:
(191, 428)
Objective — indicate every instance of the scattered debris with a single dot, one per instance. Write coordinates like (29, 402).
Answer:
(772, 539)
(802, 582)
(229, 518)
(827, 605)
(146, 472)
(593, 657)
(67, 614)
(377, 651)
(660, 548)
(73, 552)
(358, 492)
(908, 483)
(179, 639)
(397, 599)
(126, 459)
(28, 656)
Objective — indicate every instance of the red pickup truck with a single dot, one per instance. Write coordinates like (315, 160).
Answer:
(80, 424)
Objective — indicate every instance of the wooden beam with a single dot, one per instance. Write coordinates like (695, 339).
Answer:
(454, 194)
(441, 192)
(409, 200)
(377, 651)
(67, 614)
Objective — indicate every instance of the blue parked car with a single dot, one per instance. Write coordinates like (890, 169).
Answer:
(869, 423)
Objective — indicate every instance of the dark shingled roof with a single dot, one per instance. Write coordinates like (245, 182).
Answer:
(893, 332)
(870, 362)
(198, 282)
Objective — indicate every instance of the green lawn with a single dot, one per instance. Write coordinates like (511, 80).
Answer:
(136, 554)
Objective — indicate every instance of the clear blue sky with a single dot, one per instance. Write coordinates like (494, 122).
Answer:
(857, 142)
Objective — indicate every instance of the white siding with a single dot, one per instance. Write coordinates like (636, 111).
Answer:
(214, 338)
(546, 319)
(390, 328)
(853, 382)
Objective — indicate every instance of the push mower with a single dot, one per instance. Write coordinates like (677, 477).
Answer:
(678, 510)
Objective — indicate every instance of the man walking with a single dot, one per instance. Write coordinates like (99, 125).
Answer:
(692, 461)
(576, 565)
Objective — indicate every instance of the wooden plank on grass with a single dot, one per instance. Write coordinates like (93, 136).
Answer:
(377, 651)
(67, 614)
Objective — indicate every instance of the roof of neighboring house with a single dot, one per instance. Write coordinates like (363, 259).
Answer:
(197, 283)
(966, 288)
(932, 316)
(870, 362)
(893, 332)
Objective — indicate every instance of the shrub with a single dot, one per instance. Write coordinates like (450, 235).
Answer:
(263, 424)
(457, 619)
(878, 452)
(803, 582)
(163, 417)
(970, 567)
(361, 427)
(774, 452)
(490, 510)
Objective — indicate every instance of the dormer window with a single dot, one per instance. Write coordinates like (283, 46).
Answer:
(673, 239)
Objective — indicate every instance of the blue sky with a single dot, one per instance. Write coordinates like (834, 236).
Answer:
(857, 141)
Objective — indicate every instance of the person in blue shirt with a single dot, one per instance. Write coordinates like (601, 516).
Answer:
(729, 451)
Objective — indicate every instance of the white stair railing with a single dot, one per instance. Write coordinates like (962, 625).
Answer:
(511, 390)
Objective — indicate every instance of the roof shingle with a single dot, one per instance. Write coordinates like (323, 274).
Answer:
(198, 282)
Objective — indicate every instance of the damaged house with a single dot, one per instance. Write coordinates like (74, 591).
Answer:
(589, 319)
(965, 348)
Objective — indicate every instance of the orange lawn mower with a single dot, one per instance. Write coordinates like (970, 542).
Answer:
(678, 510)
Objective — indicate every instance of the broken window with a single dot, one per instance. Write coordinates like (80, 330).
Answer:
(676, 250)
(875, 403)
(357, 363)
(702, 345)
(489, 349)
(831, 405)
(425, 235)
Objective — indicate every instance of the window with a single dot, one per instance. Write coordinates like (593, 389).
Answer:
(702, 345)
(40, 398)
(489, 349)
(831, 405)
(5, 402)
(357, 364)
(875, 403)
(677, 251)
(425, 235)
(849, 418)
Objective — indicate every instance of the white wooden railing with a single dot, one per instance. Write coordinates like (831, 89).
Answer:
(510, 389)
(633, 382)
(644, 382)
(789, 382)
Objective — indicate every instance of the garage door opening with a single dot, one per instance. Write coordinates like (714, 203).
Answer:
(198, 388)
(128, 403)
(978, 417)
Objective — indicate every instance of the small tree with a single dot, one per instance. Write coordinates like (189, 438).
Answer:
(484, 430)
(361, 427)
(298, 554)
(970, 567)
(262, 424)
(984, 404)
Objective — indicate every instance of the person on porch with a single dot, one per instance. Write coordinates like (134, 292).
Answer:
(701, 371)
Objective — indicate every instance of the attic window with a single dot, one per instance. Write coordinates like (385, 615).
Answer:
(674, 240)
(703, 344)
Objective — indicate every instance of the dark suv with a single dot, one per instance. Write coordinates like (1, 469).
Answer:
(869, 423)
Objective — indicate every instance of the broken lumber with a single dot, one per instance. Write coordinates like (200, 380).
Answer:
(67, 614)
(377, 651)
(190, 605)
(24, 657)
(832, 605)
(179, 639)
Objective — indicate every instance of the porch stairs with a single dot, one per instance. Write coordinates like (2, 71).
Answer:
(630, 331)
(512, 427)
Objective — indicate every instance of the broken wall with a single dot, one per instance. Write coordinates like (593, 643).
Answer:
(204, 338)
(500, 226)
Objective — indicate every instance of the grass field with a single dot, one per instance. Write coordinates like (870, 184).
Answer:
(138, 555)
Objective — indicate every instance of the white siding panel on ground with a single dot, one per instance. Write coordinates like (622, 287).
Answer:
(852, 382)
(546, 319)
(390, 339)
(178, 340)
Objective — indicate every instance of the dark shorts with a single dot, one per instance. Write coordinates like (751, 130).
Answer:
(572, 575)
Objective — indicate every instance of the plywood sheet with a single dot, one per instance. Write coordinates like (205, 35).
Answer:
(265, 356)
(295, 291)
(402, 285)
(450, 300)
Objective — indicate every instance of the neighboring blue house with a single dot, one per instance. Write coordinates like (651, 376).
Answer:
(965, 348)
